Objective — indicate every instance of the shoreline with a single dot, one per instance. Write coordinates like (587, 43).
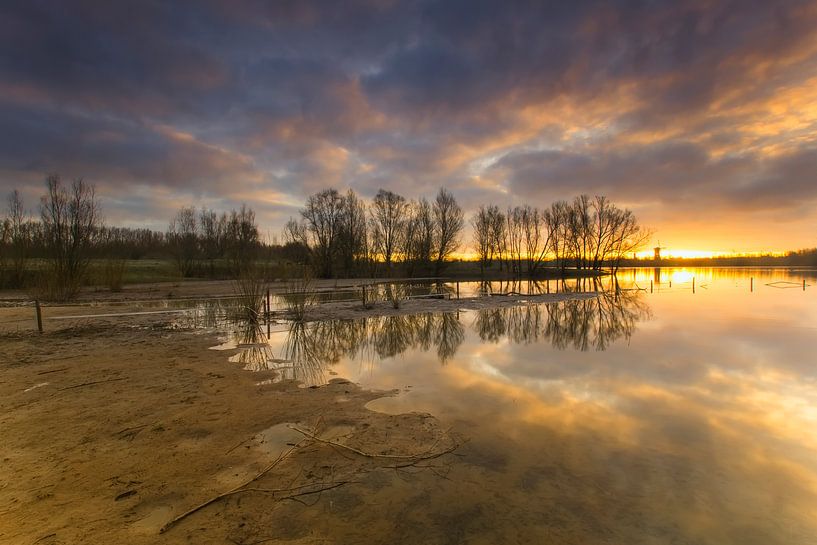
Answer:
(350, 310)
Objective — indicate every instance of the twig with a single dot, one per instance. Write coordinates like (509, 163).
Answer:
(239, 444)
(235, 490)
(132, 429)
(414, 457)
(44, 537)
(90, 383)
(52, 371)
(318, 491)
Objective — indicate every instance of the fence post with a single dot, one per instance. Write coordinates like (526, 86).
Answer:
(693, 284)
(651, 285)
(751, 284)
(458, 288)
(39, 315)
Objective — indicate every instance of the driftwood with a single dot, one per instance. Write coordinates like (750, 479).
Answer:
(236, 490)
(401, 461)
(91, 383)
(428, 454)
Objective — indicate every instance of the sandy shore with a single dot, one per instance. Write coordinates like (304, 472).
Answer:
(108, 433)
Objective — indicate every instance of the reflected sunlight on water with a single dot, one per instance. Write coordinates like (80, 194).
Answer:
(636, 417)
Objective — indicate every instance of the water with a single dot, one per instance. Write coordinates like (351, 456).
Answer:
(665, 413)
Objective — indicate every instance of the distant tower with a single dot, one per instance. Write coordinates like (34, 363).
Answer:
(657, 252)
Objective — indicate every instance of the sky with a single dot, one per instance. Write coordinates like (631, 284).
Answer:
(700, 116)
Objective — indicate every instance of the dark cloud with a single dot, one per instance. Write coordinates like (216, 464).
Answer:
(703, 102)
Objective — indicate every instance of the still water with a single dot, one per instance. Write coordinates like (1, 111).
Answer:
(681, 408)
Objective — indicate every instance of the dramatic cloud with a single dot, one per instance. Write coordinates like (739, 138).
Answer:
(699, 115)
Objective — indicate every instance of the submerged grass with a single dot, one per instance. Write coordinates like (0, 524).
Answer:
(299, 297)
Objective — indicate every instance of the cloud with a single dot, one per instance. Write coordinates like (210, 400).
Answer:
(692, 105)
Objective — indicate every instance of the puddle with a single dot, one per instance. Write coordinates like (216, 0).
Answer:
(277, 439)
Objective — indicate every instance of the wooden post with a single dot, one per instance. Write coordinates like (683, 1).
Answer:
(40, 315)
(693, 284)
(650, 285)
(547, 285)
(458, 288)
(804, 284)
(269, 308)
(752, 284)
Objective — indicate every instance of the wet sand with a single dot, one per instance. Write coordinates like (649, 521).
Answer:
(108, 433)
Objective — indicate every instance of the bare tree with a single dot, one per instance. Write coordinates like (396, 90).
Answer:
(212, 237)
(323, 214)
(242, 240)
(19, 237)
(182, 237)
(352, 239)
(448, 224)
(515, 237)
(296, 242)
(498, 235)
(560, 218)
(70, 222)
(388, 217)
(481, 228)
(419, 236)
(538, 237)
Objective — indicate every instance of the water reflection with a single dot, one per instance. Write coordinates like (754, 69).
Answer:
(580, 324)
(696, 425)
(305, 351)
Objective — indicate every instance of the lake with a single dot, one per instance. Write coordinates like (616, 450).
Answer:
(679, 408)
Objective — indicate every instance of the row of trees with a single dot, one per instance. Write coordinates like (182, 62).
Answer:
(588, 233)
(69, 226)
(198, 240)
(69, 232)
(336, 235)
(344, 235)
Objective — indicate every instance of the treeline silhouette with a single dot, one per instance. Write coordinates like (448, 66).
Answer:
(341, 233)
(334, 235)
(794, 258)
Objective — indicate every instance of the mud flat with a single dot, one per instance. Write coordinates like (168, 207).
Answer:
(110, 432)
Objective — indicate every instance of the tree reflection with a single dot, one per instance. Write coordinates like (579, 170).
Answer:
(581, 323)
(310, 348)
(255, 353)
(392, 335)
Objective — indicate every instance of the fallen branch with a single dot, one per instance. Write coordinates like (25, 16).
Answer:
(239, 444)
(425, 455)
(236, 490)
(52, 371)
(90, 383)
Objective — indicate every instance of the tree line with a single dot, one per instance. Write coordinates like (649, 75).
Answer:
(587, 233)
(340, 234)
(50, 254)
(343, 235)
(335, 234)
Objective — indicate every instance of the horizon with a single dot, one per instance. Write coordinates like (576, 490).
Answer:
(698, 118)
